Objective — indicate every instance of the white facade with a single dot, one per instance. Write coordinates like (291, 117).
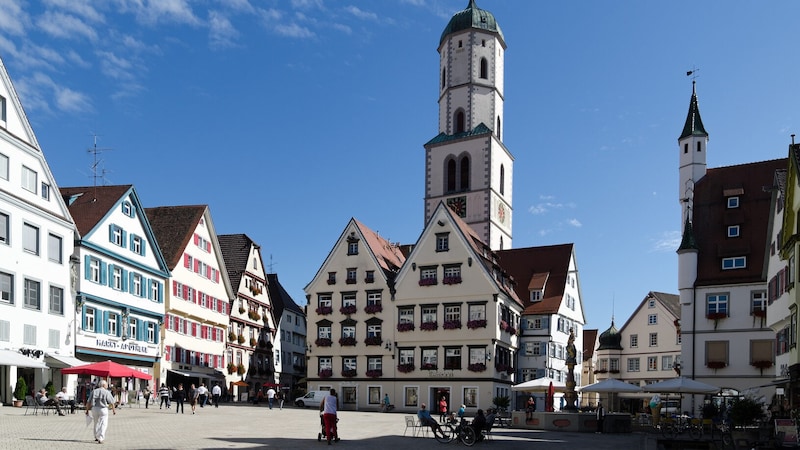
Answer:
(36, 241)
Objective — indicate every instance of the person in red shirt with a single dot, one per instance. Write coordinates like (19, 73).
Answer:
(442, 409)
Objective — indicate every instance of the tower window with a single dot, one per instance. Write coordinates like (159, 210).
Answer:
(502, 180)
(685, 148)
(464, 174)
(460, 121)
(498, 130)
(733, 202)
(699, 146)
(451, 175)
(459, 43)
(483, 42)
(444, 76)
(485, 69)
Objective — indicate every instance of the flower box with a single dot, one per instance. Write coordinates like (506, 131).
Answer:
(350, 281)
(759, 313)
(253, 342)
(405, 368)
(504, 368)
(324, 310)
(372, 309)
(231, 336)
(511, 330)
(405, 326)
(427, 281)
(451, 280)
(451, 324)
(374, 373)
(326, 373)
(716, 315)
(323, 342)
(231, 368)
(613, 371)
(476, 367)
(601, 371)
(761, 364)
(347, 341)
(428, 366)
(331, 281)
(478, 323)
(429, 326)
(373, 340)
(240, 339)
(349, 373)
(716, 364)
(349, 309)
(240, 369)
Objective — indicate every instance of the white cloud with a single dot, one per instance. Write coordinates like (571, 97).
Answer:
(294, 30)
(667, 242)
(114, 66)
(222, 33)
(307, 4)
(65, 99)
(71, 101)
(575, 223)
(13, 19)
(361, 14)
(238, 6)
(547, 205)
(64, 26)
(153, 12)
(83, 8)
(343, 28)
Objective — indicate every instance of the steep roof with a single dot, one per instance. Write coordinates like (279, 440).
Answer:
(388, 255)
(532, 266)
(694, 124)
(281, 300)
(174, 226)
(88, 205)
(235, 251)
(589, 338)
(711, 217)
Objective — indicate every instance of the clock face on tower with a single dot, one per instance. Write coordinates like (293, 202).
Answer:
(458, 205)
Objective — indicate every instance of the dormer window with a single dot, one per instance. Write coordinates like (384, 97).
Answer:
(442, 242)
(352, 244)
(733, 202)
(127, 209)
(536, 295)
(733, 231)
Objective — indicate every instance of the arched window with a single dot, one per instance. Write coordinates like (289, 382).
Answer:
(502, 180)
(498, 130)
(484, 68)
(464, 186)
(444, 76)
(501, 242)
(451, 175)
(460, 126)
(699, 146)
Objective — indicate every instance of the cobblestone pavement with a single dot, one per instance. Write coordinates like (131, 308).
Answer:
(233, 426)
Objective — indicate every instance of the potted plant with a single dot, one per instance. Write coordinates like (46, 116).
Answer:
(253, 342)
(477, 323)
(240, 369)
(20, 391)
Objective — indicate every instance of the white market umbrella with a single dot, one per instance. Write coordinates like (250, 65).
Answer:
(682, 385)
(539, 385)
(611, 386)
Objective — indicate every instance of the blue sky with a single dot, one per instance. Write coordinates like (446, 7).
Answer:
(290, 117)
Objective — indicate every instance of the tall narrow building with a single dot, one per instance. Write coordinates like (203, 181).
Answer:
(466, 164)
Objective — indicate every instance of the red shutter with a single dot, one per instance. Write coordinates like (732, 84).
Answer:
(167, 351)
(186, 260)
(208, 246)
(196, 239)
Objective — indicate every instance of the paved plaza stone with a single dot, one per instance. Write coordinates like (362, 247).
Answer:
(233, 426)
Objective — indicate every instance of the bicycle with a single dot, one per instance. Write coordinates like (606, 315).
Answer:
(722, 434)
(461, 432)
(680, 425)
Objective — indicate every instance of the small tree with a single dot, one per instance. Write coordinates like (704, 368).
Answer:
(744, 411)
(51, 390)
(501, 402)
(21, 390)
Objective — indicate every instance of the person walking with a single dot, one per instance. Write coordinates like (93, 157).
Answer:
(99, 401)
(216, 392)
(442, 409)
(194, 394)
(386, 403)
(328, 408)
(270, 396)
(163, 394)
(146, 394)
(203, 394)
(279, 398)
(179, 396)
(601, 417)
(530, 408)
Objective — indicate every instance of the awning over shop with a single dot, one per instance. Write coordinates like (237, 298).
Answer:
(62, 361)
(11, 358)
(195, 374)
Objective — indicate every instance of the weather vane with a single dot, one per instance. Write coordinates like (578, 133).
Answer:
(692, 73)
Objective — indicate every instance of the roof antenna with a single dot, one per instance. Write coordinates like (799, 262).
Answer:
(271, 265)
(97, 172)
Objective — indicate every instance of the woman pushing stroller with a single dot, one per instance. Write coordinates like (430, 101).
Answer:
(328, 408)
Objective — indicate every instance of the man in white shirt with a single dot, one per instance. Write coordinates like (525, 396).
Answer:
(270, 396)
(216, 392)
(202, 394)
(63, 399)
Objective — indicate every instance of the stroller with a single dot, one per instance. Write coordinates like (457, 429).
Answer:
(323, 433)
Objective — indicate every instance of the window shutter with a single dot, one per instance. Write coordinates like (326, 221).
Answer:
(186, 260)
(156, 333)
(167, 351)
(160, 293)
(103, 273)
(196, 239)
(174, 288)
(111, 233)
(144, 247)
(125, 275)
(216, 277)
(83, 315)
(87, 269)
(104, 323)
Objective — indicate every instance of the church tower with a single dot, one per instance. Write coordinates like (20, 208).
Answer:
(692, 160)
(466, 165)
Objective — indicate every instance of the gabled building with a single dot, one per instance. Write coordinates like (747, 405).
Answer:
(121, 282)
(37, 235)
(351, 319)
(546, 279)
(290, 359)
(588, 366)
(722, 264)
(197, 299)
(251, 344)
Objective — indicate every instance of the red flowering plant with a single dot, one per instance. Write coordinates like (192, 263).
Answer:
(405, 326)
(429, 326)
(373, 340)
(451, 324)
(375, 373)
(716, 364)
(428, 366)
(326, 373)
(504, 368)
(762, 364)
(476, 367)
(716, 315)
(349, 309)
(759, 312)
(372, 309)
(347, 341)
(405, 368)
(477, 323)
(323, 342)
(324, 310)
(511, 330)
(349, 373)
(427, 281)
(451, 280)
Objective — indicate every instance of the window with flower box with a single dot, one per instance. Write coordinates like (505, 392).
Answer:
(325, 366)
(429, 359)
(758, 302)
(452, 358)
(374, 334)
(348, 335)
(405, 320)
(352, 274)
(324, 303)
(406, 359)
(716, 354)
(375, 363)
(427, 276)
(348, 299)
(452, 274)
(369, 276)
(452, 317)
(374, 302)
(477, 315)
(761, 354)
(349, 367)
(717, 304)
(429, 313)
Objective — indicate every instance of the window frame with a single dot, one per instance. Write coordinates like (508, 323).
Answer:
(31, 302)
(30, 228)
(56, 305)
